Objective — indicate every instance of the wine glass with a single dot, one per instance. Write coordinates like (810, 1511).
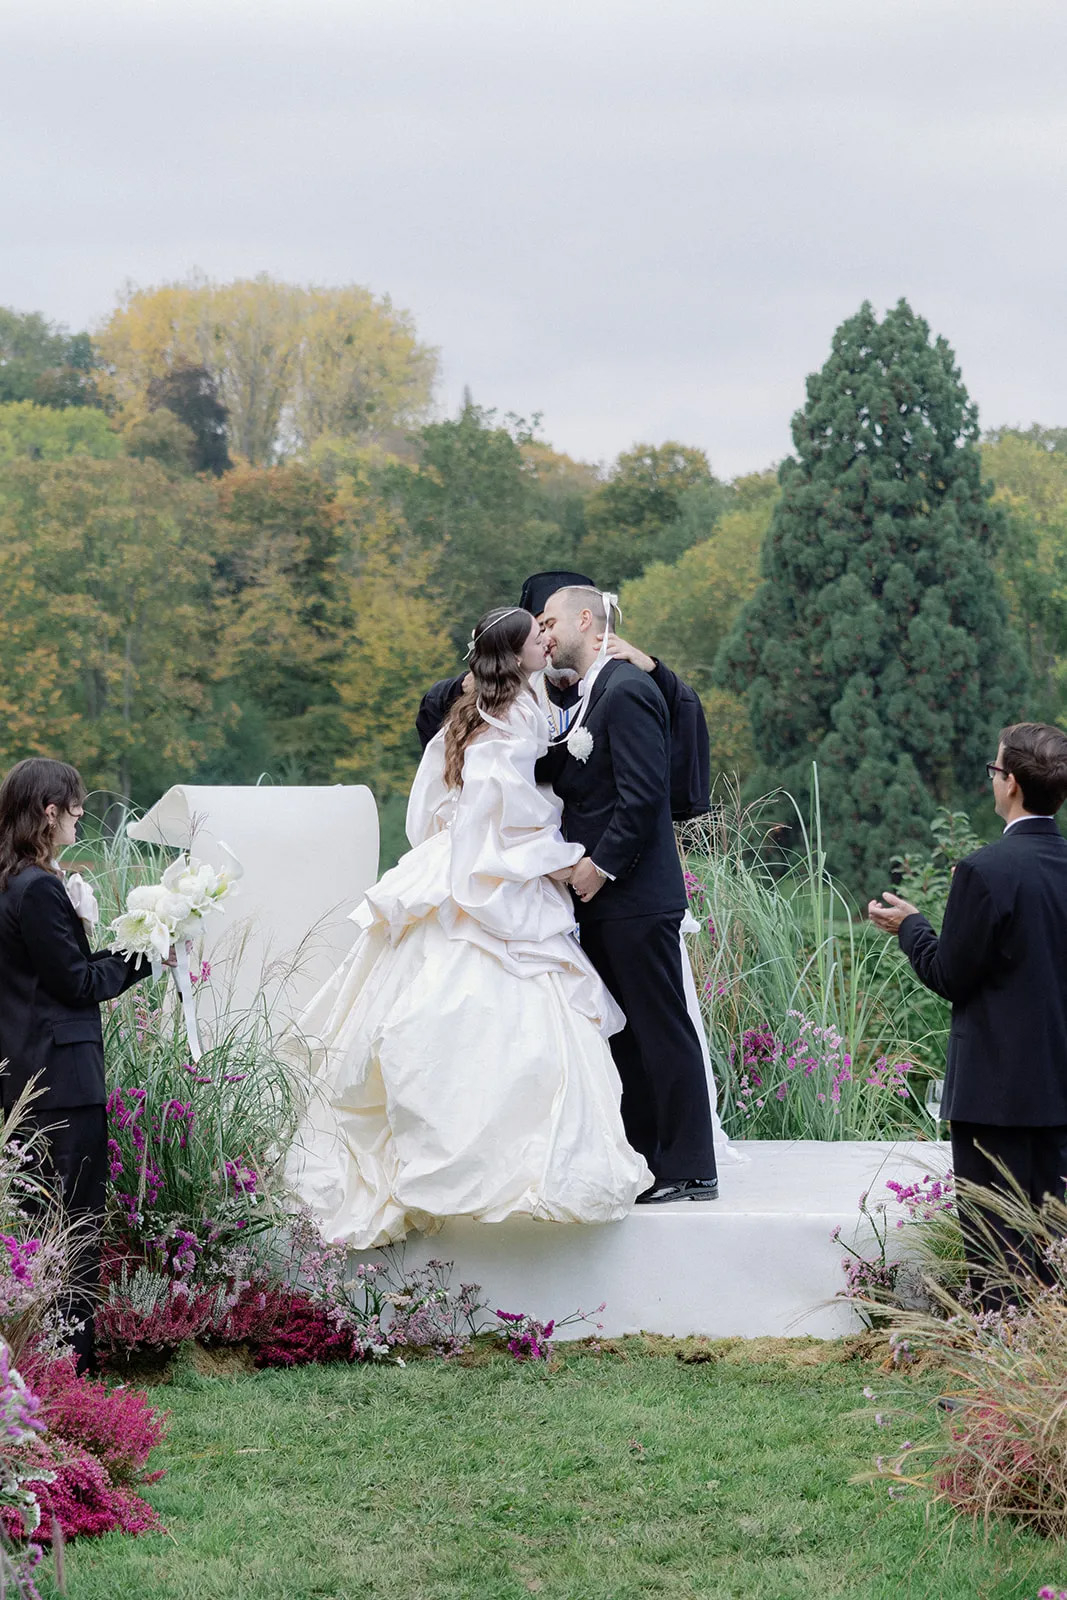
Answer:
(935, 1088)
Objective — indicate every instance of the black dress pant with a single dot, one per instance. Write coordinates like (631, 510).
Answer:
(1037, 1160)
(665, 1107)
(73, 1167)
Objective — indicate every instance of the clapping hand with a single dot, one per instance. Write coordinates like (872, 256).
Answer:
(891, 914)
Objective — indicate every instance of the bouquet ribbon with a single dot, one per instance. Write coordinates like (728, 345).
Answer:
(183, 978)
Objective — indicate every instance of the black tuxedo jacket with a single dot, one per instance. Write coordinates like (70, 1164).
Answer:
(690, 757)
(617, 803)
(51, 986)
(1002, 961)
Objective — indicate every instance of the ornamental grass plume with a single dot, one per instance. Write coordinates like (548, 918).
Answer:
(808, 1017)
(39, 1246)
(1001, 1447)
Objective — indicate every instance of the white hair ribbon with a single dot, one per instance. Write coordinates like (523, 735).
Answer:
(610, 600)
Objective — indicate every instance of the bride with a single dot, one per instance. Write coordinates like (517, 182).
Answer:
(459, 1056)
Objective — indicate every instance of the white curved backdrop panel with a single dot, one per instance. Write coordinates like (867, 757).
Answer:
(308, 853)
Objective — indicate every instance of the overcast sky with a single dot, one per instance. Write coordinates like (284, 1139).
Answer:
(642, 220)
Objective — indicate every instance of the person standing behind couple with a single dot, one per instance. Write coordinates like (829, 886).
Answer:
(1001, 960)
(613, 776)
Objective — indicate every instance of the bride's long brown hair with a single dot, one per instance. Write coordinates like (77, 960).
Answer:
(497, 679)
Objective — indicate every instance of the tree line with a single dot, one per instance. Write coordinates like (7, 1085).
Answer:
(235, 542)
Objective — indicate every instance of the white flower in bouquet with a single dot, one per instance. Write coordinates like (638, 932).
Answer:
(195, 889)
(145, 897)
(141, 933)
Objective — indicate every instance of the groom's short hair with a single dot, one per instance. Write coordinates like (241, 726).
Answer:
(579, 598)
(1035, 753)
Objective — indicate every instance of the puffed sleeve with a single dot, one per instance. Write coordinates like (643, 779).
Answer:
(506, 837)
(431, 803)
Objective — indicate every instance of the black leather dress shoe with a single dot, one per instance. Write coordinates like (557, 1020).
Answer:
(662, 1194)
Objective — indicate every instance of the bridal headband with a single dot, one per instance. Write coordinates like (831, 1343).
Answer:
(476, 636)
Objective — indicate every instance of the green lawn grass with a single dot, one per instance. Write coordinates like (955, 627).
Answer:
(613, 1477)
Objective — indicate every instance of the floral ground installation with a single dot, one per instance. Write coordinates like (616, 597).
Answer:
(73, 1453)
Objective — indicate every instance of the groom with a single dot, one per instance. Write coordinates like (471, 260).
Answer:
(690, 762)
(614, 781)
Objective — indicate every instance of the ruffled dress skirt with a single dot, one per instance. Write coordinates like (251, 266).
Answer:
(459, 1064)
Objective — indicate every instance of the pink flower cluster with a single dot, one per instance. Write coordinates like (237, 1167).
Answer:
(527, 1339)
(141, 1150)
(923, 1199)
(892, 1076)
(118, 1426)
(83, 1451)
(75, 1492)
(814, 1052)
(697, 896)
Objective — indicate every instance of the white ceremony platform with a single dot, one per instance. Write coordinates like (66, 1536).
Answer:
(758, 1261)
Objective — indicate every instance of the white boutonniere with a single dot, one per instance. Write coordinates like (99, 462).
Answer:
(580, 744)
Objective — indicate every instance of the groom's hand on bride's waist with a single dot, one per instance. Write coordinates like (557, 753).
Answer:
(586, 879)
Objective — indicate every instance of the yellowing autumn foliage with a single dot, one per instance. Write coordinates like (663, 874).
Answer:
(292, 363)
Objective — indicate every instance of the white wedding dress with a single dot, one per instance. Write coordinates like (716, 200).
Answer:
(459, 1056)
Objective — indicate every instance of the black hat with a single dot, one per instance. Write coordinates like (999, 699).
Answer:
(539, 589)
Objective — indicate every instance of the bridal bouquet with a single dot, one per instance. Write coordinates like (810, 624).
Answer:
(172, 913)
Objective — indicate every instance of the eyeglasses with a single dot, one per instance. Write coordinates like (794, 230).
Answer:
(991, 767)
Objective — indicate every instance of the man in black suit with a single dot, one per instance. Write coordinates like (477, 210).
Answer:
(613, 776)
(690, 756)
(1001, 960)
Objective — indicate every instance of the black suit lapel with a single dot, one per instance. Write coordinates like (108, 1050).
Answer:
(600, 683)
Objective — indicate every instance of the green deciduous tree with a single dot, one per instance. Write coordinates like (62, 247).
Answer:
(684, 611)
(282, 614)
(106, 571)
(43, 433)
(878, 644)
(658, 500)
(1030, 474)
(41, 361)
(471, 507)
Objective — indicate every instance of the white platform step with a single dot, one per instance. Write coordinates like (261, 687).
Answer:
(758, 1261)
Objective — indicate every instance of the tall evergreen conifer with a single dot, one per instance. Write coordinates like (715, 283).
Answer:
(878, 644)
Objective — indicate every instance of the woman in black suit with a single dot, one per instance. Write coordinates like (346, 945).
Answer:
(51, 986)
